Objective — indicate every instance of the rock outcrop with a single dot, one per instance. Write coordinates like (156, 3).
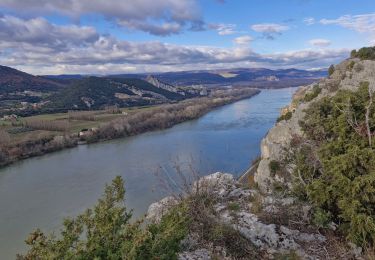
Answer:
(274, 223)
(269, 238)
(184, 91)
(347, 75)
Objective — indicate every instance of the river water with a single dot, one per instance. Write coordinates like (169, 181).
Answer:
(41, 191)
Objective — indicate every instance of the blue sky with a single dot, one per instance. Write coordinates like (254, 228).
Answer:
(128, 36)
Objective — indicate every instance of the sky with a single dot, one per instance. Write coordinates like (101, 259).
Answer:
(144, 36)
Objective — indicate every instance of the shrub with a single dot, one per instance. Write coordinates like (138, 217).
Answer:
(351, 65)
(233, 206)
(313, 94)
(105, 232)
(321, 218)
(274, 166)
(366, 53)
(231, 239)
(287, 116)
(331, 69)
(336, 171)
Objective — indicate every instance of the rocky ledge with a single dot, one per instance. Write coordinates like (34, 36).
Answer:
(262, 219)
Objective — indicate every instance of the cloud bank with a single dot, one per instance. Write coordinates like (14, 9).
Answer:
(161, 17)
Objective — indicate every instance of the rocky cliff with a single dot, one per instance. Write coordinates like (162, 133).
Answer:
(185, 91)
(347, 75)
(273, 223)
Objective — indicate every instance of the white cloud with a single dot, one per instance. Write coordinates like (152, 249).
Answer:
(320, 42)
(40, 32)
(224, 29)
(243, 40)
(363, 23)
(269, 30)
(269, 27)
(309, 21)
(159, 17)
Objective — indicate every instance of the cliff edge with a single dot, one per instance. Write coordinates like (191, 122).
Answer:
(276, 213)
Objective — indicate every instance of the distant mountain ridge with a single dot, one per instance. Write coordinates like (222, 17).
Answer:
(258, 77)
(25, 94)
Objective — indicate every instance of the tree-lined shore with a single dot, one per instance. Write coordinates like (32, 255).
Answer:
(127, 124)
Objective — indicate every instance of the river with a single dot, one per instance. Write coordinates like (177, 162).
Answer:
(41, 191)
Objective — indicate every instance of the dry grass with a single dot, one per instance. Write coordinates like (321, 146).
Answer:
(200, 198)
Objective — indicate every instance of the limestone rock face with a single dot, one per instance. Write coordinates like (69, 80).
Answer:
(158, 209)
(270, 238)
(157, 83)
(275, 145)
(347, 75)
(217, 183)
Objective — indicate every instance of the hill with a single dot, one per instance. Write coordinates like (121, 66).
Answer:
(259, 77)
(25, 94)
(20, 91)
(12, 80)
(99, 92)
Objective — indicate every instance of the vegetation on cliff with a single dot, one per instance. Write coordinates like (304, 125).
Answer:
(335, 165)
(106, 232)
(366, 53)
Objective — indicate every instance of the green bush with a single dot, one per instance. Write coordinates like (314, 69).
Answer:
(321, 218)
(274, 166)
(105, 232)
(336, 171)
(288, 115)
(313, 94)
(366, 53)
(233, 206)
(351, 65)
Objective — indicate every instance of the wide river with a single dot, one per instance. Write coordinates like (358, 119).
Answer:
(41, 191)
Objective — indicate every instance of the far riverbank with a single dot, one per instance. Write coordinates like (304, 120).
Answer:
(157, 118)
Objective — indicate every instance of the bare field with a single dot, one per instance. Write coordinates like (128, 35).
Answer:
(19, 133)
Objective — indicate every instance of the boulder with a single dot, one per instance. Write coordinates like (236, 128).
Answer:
(158, 209)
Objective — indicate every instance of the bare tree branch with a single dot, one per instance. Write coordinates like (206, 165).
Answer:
(368, 109)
